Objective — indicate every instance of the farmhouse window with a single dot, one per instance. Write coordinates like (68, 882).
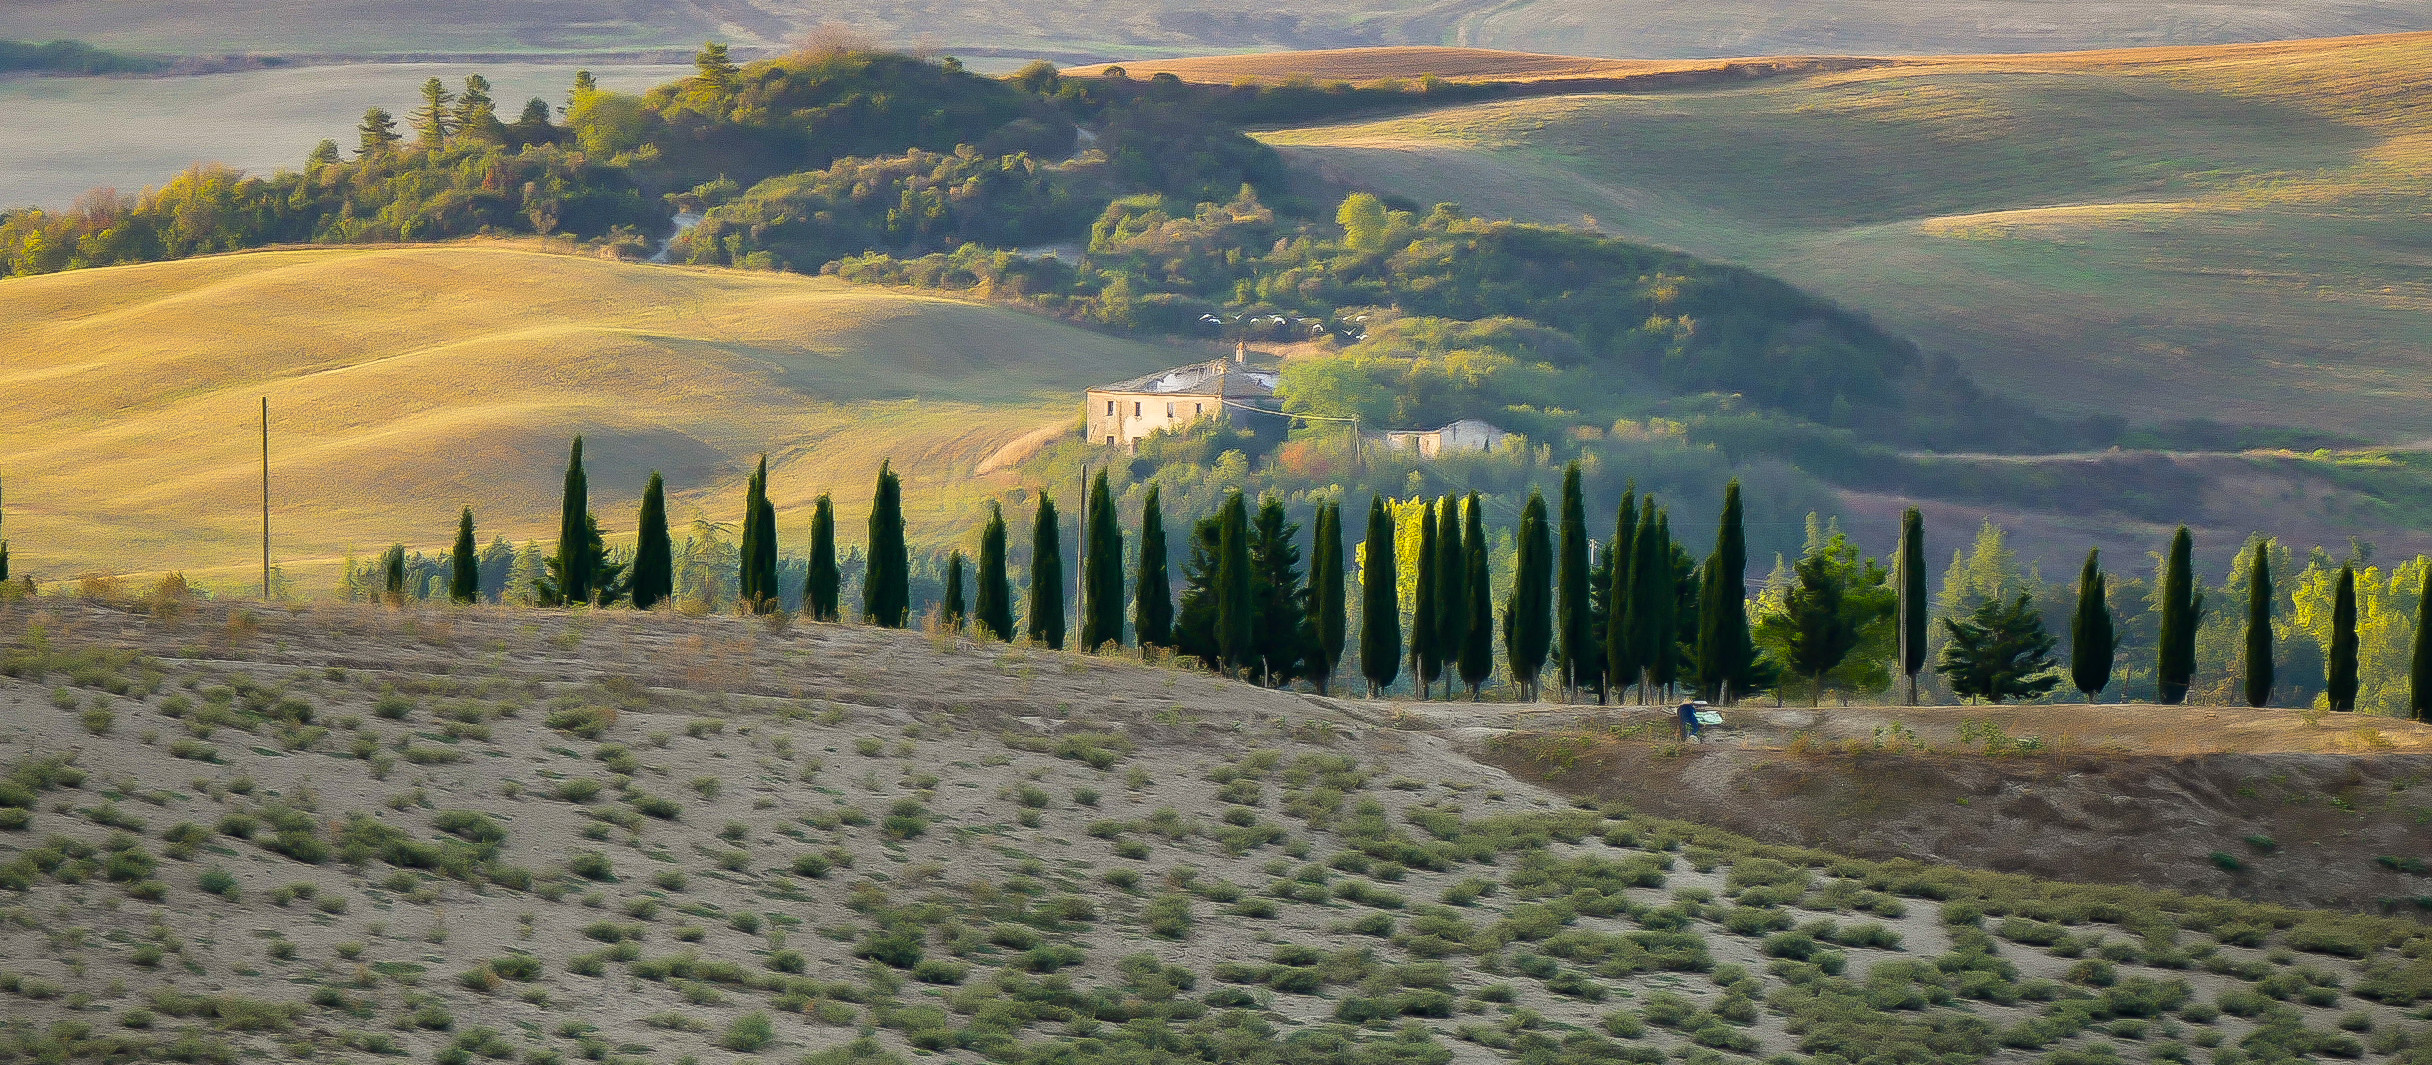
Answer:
(1169, 410)
(1135, 410)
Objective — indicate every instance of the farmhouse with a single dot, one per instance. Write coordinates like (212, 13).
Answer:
(1468, 434)
(1127, 411)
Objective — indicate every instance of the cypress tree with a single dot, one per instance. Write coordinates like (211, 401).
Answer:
(1046, 576)
(2175, 663)
(1153, 590)
(1600, 600)
(1527, 627)
(1725, 652)
(757, 582)
(1664, 639)
(2092, 641)
(1426, 655)
(2259, 626)
(886, 586)
(992, 602)
(1452, 588)
(1236, 607)
(823, 589)
(573, 539)
(1478, 632)
(1620, 657)
(1380, 603)
(2340, 676)
(2419, 672)
(3, 561)
(1101, 571)
(1908, 568)
(464, 577)
(392, 574)
(1574, 605)
(654, 565)
(950, 611)
(1326, 606)
(1650, 577)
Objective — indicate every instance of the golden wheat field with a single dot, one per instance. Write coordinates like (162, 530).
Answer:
(406, 382)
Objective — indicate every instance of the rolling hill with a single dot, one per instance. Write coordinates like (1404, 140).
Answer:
(2229, 233)
(406, 382)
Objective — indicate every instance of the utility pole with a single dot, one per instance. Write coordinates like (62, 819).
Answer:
(265, 497)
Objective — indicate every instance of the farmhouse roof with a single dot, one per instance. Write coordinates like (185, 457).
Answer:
(1214, 377)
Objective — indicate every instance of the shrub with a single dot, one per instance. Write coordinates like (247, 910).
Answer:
(590, 865)
(217, 881)
(749, 1033)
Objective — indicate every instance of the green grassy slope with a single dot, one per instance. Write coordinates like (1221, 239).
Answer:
(406, 382)
(2233, 234)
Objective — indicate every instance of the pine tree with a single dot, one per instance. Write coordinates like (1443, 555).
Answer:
(1380, 605)
(654, 555)
(1726, 655)
(992, 602)
(377, 135)
(757, 581)
(1908, 568)
(715, 73)
(823, 588)
(1620, 655)
(1280, 638)
(1194, 630)
(1235, 601)
(2419, 673)
(2182, 606)
(1527, 626)
(1101, 570)
(436, 118)
(1426, 655)
(1452, 588)
(464, 562)
(2339, 683)
(1326, 606)
(886, 583)
(1153, 590)
(574, 507)
(476, 114)
(1046, 576)
(392, 574)
(2259, 626)
(1478, 620)
(2092, 641)
(950, 609)
(1574, 612)
(1999, 651)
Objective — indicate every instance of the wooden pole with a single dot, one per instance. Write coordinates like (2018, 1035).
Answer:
(265, 497)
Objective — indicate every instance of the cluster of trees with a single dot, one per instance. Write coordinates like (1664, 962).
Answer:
(73, 57)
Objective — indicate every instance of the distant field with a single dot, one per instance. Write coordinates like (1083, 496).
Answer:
(2232, 233)
(67, 135)
(407, 382)
(1128, 29)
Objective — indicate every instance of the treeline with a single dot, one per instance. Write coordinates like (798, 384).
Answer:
(73, 57)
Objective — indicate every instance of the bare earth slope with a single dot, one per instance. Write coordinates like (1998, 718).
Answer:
(405, 383)
(323, 831)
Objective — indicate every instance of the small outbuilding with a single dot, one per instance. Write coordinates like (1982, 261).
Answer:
(1468, 434)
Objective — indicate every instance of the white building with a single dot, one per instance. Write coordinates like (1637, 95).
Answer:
(1468, 434)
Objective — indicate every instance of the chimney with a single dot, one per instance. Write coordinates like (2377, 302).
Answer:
(1241, 351)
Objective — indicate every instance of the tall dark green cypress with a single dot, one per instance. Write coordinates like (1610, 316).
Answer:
(1620, 655)
(2259, 626)
(1650, 592)
(992, 601)
(3, 561)
(1101, 570)
(1478, 619)
(1726, 655)
(2339, 682)
(950, 608)
(1326, 606)
(2175, 659)
(1664, 650)
(654, 554)
(1153, 589)
(574, 563)
(2092, 640)
(823, 589)
(1908, 568)
(886, 585)
(1527, 622)
(1574, 606)
(1452, 588)
(392, 574)
(1380, 602)
(1426, 655)
(757, 583)
(1236, 604)
(1046, 621)
(464, 562)
(2419, 671)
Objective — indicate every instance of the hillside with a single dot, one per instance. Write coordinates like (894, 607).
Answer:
(2172, 234)
(407, 382)
(280, 833)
